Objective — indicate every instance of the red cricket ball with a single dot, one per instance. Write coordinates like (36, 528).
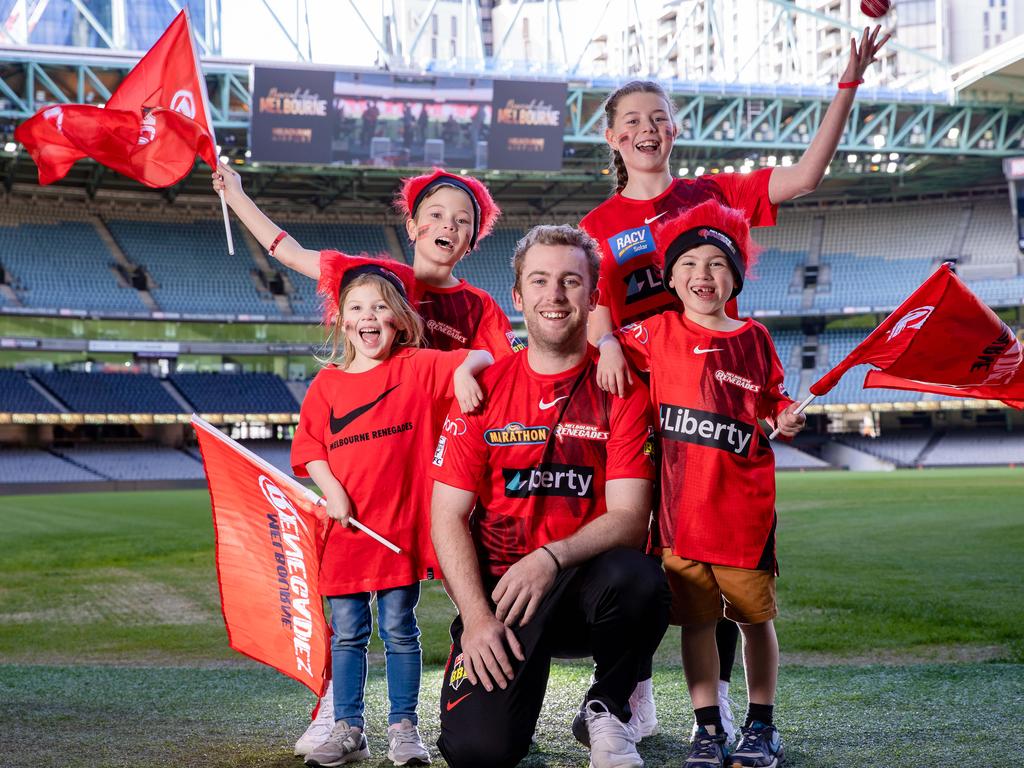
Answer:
(874, 8)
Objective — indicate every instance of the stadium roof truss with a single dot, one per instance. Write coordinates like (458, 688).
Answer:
(710, 116)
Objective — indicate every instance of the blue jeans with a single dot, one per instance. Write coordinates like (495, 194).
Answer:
(352, 623)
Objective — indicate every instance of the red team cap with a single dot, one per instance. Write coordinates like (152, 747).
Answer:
(415, 189)
(338, 271)
(710, 223)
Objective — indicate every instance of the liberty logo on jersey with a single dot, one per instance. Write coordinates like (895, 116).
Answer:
(550, 480)
(688, 425)
(630, 243)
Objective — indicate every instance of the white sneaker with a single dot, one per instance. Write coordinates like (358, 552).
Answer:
(725, 705)
(346, 744)
(644, 720)
(612, 744)
(318, 730)
(405, 746)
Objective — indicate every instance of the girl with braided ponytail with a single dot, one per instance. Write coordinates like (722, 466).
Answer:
(640, 130)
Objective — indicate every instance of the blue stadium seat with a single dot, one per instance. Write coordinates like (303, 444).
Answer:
(109, 392)
(235, 393)
(18, 396)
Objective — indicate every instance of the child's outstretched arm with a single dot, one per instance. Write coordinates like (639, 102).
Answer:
(805, 175)
(287, 251)
(612, 369)
(339, 505)
(467, 389)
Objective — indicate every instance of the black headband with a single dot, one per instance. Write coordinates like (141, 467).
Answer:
(452, 181)
(702, 235)
(373, 269)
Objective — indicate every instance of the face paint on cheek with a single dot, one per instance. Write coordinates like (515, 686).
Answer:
(622, 139)
(348, 325)
(422, 230)
(391, 324)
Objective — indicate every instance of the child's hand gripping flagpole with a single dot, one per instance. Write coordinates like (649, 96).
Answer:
(371, 533)
(799, 409)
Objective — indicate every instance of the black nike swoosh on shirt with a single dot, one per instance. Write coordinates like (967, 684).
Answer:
(338, 424)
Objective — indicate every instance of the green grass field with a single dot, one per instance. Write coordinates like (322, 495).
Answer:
(902, 599)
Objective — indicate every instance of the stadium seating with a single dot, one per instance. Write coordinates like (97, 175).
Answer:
(977, 447)
(134, 462)
(276, 452)
(29, 465)
(901, 448)
(850, 389)
(108, 392)
(235, 393)
(788, 457)
(489, 267)
(991, 237)
(767, 289)
(191, 266)
(63, 265)
(18, 396)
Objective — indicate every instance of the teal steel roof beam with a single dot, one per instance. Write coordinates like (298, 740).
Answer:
(574, 107)
(924, 115)
(954, 121)
(733, 109)
(976, 136)
(54, 89)
(773, 109)
(871, 126)
(85, 73)
(23, 107)
(695, 108)
(814, 108)
(595, 116)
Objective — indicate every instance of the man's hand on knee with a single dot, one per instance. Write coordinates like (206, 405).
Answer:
(519, 591)
(486, 660)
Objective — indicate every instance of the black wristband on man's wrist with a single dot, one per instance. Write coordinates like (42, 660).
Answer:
(558, 565)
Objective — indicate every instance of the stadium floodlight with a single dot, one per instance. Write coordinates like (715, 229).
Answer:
(878, 141)
(699, 171)
(11, 147)
(787, 160)
(729, 169)
(891, 168)
(894, 155)
(851, 159)
(954, 133)
(746, 168)
(683, 171)
(876, 158)
(772, 161)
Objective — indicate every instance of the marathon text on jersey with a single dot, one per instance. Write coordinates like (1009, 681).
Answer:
(550, 480)
(688, 425)
(515, 433)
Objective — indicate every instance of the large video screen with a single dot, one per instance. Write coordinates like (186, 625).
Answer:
(327, 117)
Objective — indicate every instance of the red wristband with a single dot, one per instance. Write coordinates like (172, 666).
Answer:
(851, 83)
(277, 241)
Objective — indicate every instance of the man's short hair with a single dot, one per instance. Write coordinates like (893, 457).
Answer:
(557, 234)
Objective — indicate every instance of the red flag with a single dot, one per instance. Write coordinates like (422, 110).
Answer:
(269, 544)
(151, 129)
(942, 339)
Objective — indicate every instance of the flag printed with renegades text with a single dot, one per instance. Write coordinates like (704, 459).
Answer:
(269, 541)
(944, 340)
(151, 128)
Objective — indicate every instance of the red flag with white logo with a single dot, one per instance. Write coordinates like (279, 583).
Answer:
(151, 129)
(269, 543)
(944, 340)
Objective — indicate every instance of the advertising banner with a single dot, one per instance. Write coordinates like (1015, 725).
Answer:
(527, 127)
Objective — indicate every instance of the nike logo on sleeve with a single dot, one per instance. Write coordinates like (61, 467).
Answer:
(339, 423)
(698, 351)
(653, 218)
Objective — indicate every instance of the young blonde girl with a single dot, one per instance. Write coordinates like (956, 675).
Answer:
(365, 426)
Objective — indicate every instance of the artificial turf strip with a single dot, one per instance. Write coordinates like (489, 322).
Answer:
(830, 716)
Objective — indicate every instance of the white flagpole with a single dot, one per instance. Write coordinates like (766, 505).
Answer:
(283, 478)
(209, 125)
(799, 409)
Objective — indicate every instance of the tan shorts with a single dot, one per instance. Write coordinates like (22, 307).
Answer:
(700, 592)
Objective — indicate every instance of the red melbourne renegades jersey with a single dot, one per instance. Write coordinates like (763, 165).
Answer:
(630, 278)
(717, 466)
(375, 430)
(539, 455)
(460, 317)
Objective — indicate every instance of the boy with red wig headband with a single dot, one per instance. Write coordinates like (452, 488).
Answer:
(446, 216)
(712, 378)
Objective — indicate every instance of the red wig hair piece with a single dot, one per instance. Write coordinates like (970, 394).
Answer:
(333, 266)
(487, 211)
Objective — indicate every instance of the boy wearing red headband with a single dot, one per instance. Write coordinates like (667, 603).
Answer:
(375, 407)
(446, 216)
(712, 378)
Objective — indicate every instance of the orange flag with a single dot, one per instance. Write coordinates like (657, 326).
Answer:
(270, 539)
